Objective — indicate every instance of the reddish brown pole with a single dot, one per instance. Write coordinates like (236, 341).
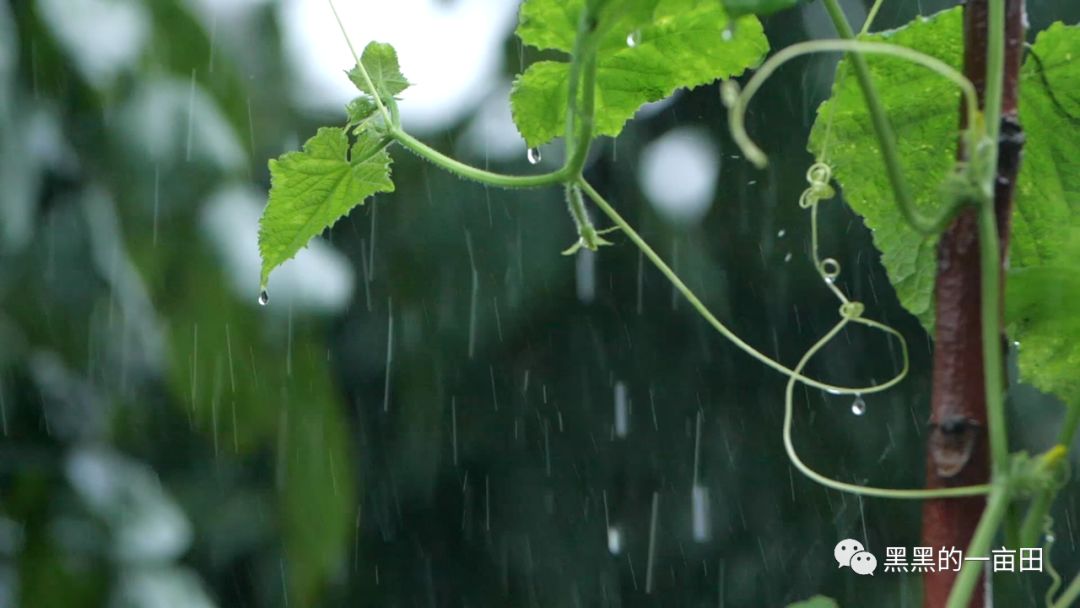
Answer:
(957, 452)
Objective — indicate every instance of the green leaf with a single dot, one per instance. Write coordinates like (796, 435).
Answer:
(1044, 284)
(360, 109)
(923, 109)
(647, 49)
(311, 190)
(1041, 313)
(818, 601)
(381, 62)
(761, 8)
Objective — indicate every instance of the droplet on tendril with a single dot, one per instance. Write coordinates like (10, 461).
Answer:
(633, 38)
(264, 298)
(533, 154)
(858, 407)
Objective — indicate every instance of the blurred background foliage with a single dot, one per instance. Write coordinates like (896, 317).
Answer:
(436, 408)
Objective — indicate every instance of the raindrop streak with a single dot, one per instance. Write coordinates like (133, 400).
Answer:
(228, 349)
(652, 542)
(3, 411)
(699, 509)
(288, 345)
(487, 503)
(622, 415)
(699, 494)
(585, 275)
(533, 155)
(475, 296)
(264, 298)
(389, 354)
(640, 281)
(858, 407)
(453, 426)
(191, 116)
(157, 199)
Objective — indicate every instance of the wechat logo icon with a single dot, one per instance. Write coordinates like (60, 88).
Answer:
(851, 553)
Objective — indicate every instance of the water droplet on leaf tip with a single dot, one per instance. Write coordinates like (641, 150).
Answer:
(632, 39)
(726, 34)
(264, 298)
(858, 407)
(533, 155)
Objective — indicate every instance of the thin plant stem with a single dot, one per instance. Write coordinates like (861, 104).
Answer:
(473, 173)
(870, 17)
(703, 310)
(1070, 595)
(360, 65)
(996, 506)
(883, 130)
(1039, 508)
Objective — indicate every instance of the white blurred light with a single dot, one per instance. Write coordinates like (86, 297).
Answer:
(678, 174)
(449, 51)
(318, 279)
(614, 540)
(172, 120)
(491, 133)
(102, 37)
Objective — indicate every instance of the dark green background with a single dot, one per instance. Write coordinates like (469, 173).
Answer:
(267, 429)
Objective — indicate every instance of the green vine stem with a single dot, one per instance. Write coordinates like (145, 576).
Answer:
(990, 281)
(579, 137)
(793, 456)
(363, 70)
(869, 18)
(478, 175)
(1037, 512)
(993, 365)
(850, 312)
(989, 246)
(1070, 595)
(883, 130)
(738, 101)
(703, 310)
(996, 506)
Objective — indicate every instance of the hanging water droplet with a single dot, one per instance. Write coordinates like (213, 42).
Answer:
(633, 38)
(533, 154)
(264, 298)
(726, 34)
(858, 407)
